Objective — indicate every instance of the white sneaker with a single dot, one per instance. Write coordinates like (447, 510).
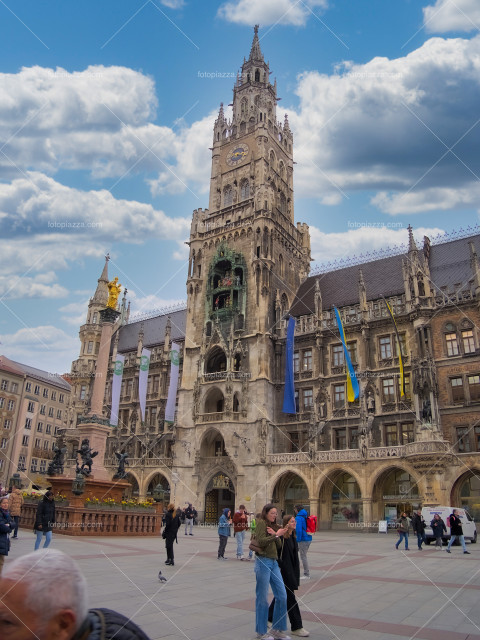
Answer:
(304, 577)
(303, 633)
(266, 636)
(280, 635)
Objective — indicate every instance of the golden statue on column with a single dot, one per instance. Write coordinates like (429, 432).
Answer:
(114, 289)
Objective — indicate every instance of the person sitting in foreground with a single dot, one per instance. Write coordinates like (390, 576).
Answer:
(43, 595)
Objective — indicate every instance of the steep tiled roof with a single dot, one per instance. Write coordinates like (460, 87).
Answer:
(8, 365)
(449, 267)
(153, 330)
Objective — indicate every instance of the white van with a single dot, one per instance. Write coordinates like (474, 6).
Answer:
(468, 525)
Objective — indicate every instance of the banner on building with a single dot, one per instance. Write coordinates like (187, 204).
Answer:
(172, 387)
(289, 391)
(353, 389)
(143, 380)
(116, 387)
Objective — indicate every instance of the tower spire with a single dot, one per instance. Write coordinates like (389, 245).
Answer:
(255, 52)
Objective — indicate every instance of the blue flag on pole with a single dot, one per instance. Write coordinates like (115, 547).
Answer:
(289, 392)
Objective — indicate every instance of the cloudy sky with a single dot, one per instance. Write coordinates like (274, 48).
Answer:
(106, 115)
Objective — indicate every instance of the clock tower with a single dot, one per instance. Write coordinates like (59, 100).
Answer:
(247, 261)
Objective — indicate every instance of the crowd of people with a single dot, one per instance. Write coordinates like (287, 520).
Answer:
(418, 525)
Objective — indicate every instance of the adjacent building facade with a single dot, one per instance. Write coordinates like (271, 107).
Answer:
(32, 414)
(350, 463)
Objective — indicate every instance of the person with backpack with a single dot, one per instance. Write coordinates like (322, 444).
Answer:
(304, 539)
(240, 525)
(44, 595)
(403, 527)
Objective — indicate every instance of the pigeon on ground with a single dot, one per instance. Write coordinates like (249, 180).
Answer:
(161, 578)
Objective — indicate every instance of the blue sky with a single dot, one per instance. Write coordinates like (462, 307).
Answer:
(106, 116)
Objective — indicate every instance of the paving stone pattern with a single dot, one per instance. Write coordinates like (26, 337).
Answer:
(360, 588)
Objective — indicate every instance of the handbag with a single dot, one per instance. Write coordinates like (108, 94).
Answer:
(254, 546)
(280, 555)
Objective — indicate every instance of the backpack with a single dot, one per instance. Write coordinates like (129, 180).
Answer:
(311, 524)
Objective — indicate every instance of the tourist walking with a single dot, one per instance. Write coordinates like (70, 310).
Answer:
(189, 515)
(44, 520)
(15, 503)
(223, 532)
(456, 531)
(240, 525)
(267, 572)
(172, 524)
(290, 570)
(6, 526)
(403, 527)
(438, 528)
(418, 526)
(304, 539)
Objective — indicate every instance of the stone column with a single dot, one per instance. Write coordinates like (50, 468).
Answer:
(367, 512)
(314, 506)
(108, 317)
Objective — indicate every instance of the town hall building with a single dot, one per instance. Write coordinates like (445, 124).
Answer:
(249, 269)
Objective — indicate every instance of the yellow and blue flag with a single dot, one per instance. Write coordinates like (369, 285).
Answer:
(353, 389)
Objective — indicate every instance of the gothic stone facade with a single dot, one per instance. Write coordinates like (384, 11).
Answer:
(249, 264)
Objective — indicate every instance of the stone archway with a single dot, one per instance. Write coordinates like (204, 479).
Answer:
(395, 491)
(466, 493)
(341, 502)
(290, 490)
(153, 482)
(219, 495)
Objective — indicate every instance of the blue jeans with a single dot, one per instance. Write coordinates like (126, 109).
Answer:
(267, 572)
(452, 540)
(48, 539)
(420, 539)
(240, 535)
(402, 535)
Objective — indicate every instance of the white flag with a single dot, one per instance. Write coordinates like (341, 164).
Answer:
(172, 387)
(143, 380)
(116, 386)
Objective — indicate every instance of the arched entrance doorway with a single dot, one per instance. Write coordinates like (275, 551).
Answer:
(290, 490)
(396, 491)
(219, 495)
(466, 494)
(340, 500)
(159, 479)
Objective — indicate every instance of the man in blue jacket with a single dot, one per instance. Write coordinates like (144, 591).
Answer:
(303, 538)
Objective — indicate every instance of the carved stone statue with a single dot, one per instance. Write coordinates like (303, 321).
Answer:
(87, 456)
(55, 468)
(122, 461)
(114, 289)
(370, 402)
(427, 411)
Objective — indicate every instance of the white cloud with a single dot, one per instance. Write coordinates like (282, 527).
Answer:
(45, 347)
(24, 286)
(173, 4)
(148, 303)
(445, 15)
(362, 239)
(266, 12)
(75, 313)
(392, 126)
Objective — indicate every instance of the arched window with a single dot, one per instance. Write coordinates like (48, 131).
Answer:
(283, 203)
(281, 170)
(224, 134)
(244, 107)
(244, 189)
(243, 127)
(272, 159)
(257, 75)
(227, 196)
(216, 361)
(284, 304)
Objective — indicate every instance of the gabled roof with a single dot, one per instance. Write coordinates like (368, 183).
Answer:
(153, 331)
(449, 267)
(9, 366)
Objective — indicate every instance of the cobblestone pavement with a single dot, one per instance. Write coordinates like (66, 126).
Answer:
(360, 586)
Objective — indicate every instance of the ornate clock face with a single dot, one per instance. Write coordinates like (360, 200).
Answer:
(237, 154)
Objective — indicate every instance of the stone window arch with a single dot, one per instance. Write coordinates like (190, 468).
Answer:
(282, 204)
(214, 401)
(244, 189)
